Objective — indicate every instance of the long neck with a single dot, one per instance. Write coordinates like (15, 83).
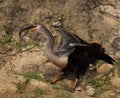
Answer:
(49, 49)
(50, 41)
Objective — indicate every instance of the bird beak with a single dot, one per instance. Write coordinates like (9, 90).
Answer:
(29, 27)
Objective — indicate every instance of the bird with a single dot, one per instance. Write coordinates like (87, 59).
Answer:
(74, 54)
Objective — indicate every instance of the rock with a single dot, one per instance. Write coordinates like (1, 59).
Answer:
(117, 55)
(20, 78)
(38, 83)
(78, 94)
(115, 81)
(56, 24)
(90, 90)
(25, 61)
(104, 68)
(111, 10)
(6, 82)
(78, 88)
(48, 15)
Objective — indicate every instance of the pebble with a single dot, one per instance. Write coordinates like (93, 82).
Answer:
(90, 90)
(78, 89)
(56, 24)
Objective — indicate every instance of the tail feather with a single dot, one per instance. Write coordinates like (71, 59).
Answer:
(107, 58)
(100, 53)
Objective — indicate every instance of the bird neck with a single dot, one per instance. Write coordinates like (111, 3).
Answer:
(49, 49)
(50, 41)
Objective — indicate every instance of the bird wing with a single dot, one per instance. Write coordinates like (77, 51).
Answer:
(68, 38)
(93, 50)
(73, 44)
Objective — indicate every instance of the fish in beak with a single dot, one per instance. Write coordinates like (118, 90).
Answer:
(29, 27)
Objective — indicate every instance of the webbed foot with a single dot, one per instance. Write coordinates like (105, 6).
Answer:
(53, 80)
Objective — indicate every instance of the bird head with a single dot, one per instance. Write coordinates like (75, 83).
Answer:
(31, 28)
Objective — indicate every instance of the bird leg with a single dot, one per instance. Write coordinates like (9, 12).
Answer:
(75, 83)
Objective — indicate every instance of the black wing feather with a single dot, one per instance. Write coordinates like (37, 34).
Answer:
(94, 50)
(67, 38)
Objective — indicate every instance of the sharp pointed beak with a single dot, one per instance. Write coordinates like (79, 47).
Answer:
(29, 27)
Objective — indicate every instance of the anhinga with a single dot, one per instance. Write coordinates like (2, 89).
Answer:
(74, 55)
